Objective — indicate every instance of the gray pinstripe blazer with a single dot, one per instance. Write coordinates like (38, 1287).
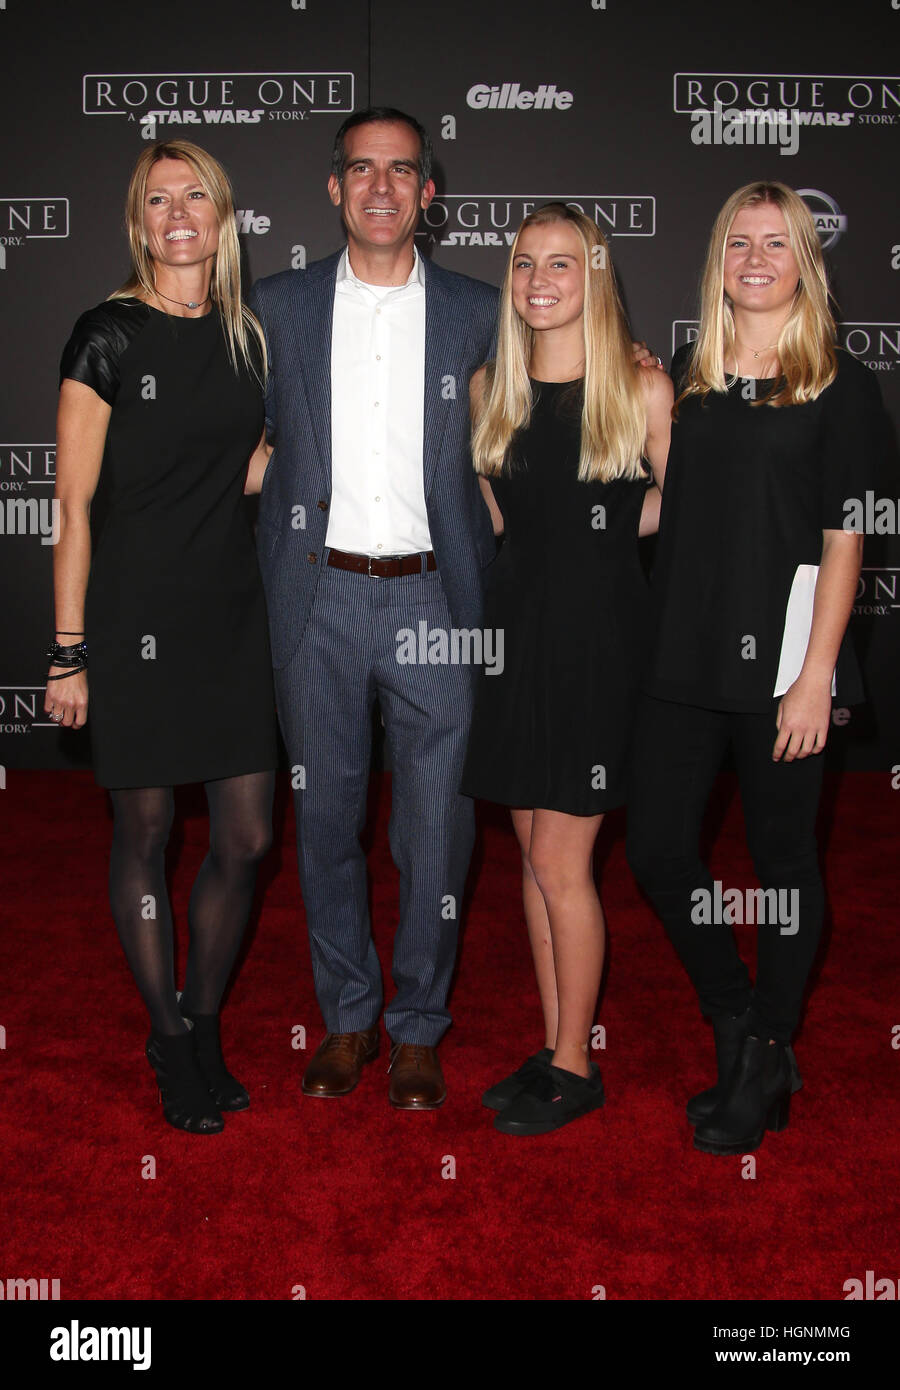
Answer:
(295, 309)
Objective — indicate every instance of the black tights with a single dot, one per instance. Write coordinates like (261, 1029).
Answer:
(240, 819)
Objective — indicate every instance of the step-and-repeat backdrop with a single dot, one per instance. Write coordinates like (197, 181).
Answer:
(645, 115)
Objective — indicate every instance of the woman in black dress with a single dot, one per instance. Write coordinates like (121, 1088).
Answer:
(562, 419)
(160, 410)
(756, 570)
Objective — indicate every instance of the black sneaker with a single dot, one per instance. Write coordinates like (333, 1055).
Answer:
(500, 1095)
(551, 1100)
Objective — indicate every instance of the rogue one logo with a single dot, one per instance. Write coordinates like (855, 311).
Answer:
(19, 715)
(819, 99)
(34, 217)
(222, 97)
(875, 344)
(876, 594)
(491, 219)
(27, 466)
(509, 96)
(31, 219)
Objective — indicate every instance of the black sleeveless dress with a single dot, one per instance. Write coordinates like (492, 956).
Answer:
(179, 672)
(552, 729)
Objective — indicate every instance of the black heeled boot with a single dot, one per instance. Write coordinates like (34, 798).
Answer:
(186, 1101)
(226, 1091)
(729, 1032)
(757, 1098)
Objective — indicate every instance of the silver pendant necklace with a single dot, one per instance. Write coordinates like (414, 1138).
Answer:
(185, 303)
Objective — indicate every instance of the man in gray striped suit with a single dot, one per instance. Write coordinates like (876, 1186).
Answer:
(371, 523)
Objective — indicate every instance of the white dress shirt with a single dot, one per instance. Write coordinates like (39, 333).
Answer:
(377, 415)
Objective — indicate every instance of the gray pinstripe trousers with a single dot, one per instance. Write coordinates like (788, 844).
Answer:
(325, 696)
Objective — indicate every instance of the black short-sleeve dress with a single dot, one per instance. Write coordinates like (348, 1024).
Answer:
(552, 728)
(749, 490)
(179, 671)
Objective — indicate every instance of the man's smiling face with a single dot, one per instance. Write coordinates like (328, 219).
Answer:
(380, 197)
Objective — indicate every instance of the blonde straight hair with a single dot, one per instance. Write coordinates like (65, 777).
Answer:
(225, 285)
(613, 418)
(806, 342)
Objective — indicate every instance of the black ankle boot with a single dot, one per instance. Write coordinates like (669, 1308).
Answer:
(757, 1098)
(226, 1091)
(183, 1090)
(729, 1032)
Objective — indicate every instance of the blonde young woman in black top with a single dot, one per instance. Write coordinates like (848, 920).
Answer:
(775, 430)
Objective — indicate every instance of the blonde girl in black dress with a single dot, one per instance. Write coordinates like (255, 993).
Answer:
(158, 592)
(563, 418)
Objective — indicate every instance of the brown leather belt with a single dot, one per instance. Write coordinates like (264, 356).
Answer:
(388, 568)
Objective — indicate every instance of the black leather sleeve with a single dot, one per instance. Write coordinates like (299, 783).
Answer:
(98, 340)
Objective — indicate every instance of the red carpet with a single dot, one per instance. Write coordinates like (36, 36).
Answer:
(348, 1199)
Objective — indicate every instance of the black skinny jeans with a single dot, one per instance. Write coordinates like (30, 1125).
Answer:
(678, 750)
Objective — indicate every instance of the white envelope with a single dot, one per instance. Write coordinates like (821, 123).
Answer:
(797, 627)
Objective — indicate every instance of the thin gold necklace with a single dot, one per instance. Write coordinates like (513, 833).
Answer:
(753, 350)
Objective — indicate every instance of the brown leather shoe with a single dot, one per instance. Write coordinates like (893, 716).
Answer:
(417, 1082)
(338, 1062)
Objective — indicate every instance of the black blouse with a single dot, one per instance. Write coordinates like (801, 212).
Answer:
(749, 490)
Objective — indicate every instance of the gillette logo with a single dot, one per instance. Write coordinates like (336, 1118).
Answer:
(511, 97)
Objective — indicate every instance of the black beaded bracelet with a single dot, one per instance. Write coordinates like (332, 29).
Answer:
(75, 655)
